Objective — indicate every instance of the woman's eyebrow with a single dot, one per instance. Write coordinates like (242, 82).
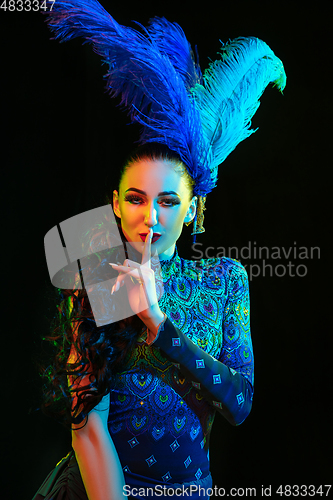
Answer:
(163, 193)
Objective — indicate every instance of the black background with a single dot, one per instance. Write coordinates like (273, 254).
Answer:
(63, 139)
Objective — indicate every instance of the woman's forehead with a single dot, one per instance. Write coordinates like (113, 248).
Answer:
(154, 175)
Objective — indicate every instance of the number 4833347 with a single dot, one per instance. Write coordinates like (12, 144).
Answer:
(303, 490)
(26, 5)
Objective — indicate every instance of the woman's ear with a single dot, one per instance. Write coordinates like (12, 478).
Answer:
(116, 204)
(190, 214)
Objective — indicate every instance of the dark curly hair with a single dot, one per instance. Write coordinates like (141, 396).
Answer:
(100, 351)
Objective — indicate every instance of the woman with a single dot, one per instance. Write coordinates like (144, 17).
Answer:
(190, 353)
(143, 390)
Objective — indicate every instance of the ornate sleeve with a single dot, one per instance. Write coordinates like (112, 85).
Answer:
(226, 382)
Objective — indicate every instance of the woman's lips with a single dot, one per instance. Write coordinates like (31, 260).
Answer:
(155, 237)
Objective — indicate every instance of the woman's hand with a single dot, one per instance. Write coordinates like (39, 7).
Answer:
(140, 281)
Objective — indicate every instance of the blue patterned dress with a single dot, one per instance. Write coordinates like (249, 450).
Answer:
(164, 401)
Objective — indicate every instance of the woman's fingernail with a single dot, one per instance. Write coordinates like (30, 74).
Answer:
(111, 264)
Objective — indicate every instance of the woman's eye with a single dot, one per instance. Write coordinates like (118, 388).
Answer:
(169, 202)
(132, 198)
(138, 200)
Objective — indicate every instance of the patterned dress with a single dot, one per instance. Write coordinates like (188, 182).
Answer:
(164, 401)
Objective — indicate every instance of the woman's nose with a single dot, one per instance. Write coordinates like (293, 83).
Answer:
(151, 216)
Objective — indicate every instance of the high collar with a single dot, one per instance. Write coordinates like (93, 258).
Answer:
(172, 265)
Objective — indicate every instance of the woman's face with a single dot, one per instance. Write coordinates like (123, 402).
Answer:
(153, 195)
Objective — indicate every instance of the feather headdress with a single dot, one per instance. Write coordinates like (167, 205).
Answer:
(159, 81)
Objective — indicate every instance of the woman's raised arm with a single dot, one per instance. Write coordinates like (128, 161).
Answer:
(227, 382)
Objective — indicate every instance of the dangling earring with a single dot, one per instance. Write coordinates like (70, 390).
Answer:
(199, 216)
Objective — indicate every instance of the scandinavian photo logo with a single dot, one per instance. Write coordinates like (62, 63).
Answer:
(278, 261)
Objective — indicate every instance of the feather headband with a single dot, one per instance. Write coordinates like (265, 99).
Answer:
(154, 71)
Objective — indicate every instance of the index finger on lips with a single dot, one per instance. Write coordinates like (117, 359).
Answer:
(146, 254)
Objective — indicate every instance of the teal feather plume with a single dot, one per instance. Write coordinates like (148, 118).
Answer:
(229, 95)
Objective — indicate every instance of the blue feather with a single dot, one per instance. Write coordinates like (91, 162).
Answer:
(141, 71)
(155, 74)
(171, 40)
